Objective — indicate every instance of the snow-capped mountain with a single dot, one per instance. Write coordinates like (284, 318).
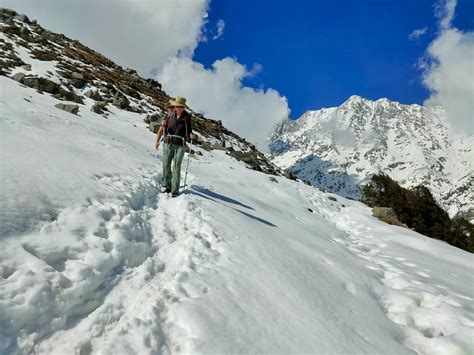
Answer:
(94, 260)
(339, 148)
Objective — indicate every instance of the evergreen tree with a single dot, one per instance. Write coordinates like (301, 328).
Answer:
(417, 208)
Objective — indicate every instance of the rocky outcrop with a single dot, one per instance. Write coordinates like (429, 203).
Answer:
(79, 66)
(74, 109)
(387, 215)
(93, 94)
(99, 107)
(46, 85)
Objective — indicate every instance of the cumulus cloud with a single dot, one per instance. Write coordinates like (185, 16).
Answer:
(219, 29)
(218, 92)
(449, 70)
(444, 11)
(141, 34)
(418, 33)
(158, 38)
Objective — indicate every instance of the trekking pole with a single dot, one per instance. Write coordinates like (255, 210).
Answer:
(187, 165)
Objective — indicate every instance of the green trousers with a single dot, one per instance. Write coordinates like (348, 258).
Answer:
(172, 155)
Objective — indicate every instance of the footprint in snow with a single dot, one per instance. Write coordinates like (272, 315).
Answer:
(350, 287)
(421, 273)
(327, 261)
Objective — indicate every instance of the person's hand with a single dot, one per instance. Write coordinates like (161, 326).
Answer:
(157, 145)
(193, 137)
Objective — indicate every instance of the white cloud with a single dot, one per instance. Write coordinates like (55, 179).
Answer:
(449, 70)
(418, 33)
(444, 11)
(160, 36)
(220, 29)
(218, 92)
(141, 34)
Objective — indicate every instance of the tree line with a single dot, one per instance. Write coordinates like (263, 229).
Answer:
(417, 208)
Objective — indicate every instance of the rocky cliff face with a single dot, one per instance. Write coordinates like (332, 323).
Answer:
(339, 148)
(56, 65)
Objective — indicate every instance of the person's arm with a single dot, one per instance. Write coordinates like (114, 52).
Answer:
(191, 136)
(158, 137)
(161, 130)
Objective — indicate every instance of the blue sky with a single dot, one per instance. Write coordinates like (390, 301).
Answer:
(312, 53)
(318, 53)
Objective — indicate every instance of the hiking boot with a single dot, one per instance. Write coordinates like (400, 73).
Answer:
(166, 190)
(174, 195)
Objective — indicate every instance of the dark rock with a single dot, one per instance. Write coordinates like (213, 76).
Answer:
(31, 82)
(75, 79)
(44, 55)
(289, 175)
(19, 77)
(22, 18)
(26, 67)
(48, 86)
(94, 95)
(332, 198)
(206, 146)
(99, 106)
(154, 83)
(154, 127)
(74, 109)
(272, 179)
(120, 101)
(24, 31)
(78, 76)
(132, 92)
(218, 146)
(310, 210)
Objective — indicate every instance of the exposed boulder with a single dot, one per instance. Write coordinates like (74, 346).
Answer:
(154, 83)
(93, 94)
(120, 101)
(24, 31)
(152, 118)
(99, 107)
(19, 77)
(22, 18)
(154, 126)
(218, 146)
(290, 175)
(74, 109)
(31, 82)
(387, 215)
(77, 80)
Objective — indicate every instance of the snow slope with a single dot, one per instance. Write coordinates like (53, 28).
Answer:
(94, 260)
(340, 148)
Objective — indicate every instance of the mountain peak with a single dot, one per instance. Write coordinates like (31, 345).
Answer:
(341, 149)
(355, 98)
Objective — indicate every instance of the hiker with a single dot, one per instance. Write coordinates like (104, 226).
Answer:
(177, 130)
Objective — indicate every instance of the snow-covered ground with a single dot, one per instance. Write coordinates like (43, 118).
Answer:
(94, 260)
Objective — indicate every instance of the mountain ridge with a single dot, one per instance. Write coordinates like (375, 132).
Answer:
(339, 148)
(70, 71)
